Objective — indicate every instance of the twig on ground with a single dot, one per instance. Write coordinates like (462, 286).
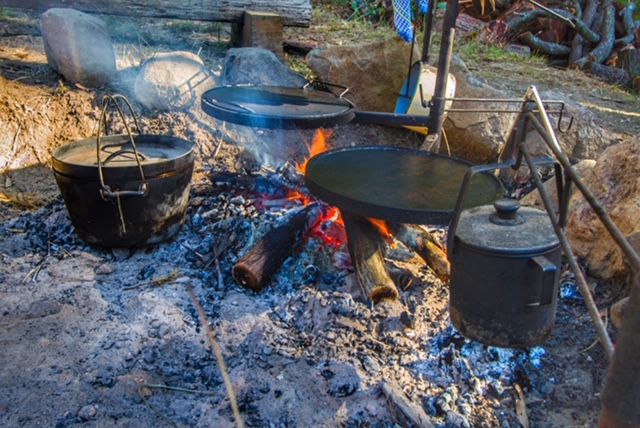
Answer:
(176, 388)
(153, 408)
(156, 281)
(218, 354)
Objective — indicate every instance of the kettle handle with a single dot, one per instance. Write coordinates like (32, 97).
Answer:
(464, 188)
(547, 283)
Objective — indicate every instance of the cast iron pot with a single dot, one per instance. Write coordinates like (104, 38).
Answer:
(125, 190)
(505, 263)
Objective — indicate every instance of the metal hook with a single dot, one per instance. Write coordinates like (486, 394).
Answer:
(560, 115)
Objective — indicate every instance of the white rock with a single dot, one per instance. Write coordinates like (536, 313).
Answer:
(172, 80)
(78, 46)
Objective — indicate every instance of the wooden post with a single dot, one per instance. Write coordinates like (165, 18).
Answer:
(261, 30)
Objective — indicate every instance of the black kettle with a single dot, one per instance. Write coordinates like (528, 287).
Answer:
(505, 264)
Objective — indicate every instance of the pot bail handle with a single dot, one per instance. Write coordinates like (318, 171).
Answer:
(464, 188)
(105, 191)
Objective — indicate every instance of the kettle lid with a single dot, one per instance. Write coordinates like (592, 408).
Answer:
(507, 227)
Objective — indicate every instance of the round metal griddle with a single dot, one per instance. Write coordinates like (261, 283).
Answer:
(396, 184)
(277, 107)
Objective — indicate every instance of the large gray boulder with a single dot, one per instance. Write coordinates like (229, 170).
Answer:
(476, 136)
(374, 73)
(78, 46)
(257, 66)
(480, 136)
(172, 81)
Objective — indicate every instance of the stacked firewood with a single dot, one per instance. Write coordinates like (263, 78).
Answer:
(598, 36)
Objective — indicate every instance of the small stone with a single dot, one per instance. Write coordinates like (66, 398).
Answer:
(617, 310)
(121, 254)
(87, 413)
(105, 269)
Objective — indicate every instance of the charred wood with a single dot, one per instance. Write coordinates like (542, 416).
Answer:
(425, 245)
(365, 247)
(256, 267)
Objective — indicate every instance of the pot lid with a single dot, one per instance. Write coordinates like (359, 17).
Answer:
(158, 154)
(396, 184)
(277, 106)
(506, 227)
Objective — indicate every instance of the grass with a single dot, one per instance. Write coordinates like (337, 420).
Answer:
(474, 53)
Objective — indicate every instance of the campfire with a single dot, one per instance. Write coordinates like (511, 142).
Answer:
(366, 238)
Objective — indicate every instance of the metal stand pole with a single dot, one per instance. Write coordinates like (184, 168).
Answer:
(436, 110)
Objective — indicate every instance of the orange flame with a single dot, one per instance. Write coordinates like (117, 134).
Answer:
(318, 145)
(381, 225)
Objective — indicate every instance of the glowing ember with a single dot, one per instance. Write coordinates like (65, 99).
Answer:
(330, 228)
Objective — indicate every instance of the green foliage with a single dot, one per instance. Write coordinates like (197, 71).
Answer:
(374, 11)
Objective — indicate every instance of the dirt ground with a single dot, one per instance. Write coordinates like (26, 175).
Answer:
(110, 337)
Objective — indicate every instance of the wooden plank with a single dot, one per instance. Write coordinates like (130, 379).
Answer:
(296, 13)
(262, 30)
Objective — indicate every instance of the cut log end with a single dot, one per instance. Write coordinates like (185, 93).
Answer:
(245, 277)
(365, 246)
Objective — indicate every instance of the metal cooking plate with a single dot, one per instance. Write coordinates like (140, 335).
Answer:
(396, 184)
(277, 107)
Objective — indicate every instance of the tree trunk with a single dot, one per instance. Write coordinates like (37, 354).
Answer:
(293, 12)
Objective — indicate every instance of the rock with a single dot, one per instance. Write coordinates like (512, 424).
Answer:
(533, 199)
(614, 183)
(476, 137)
(585, 139)
(617, 311)
(87, 413)
(342, 379)
(257, 66)
(374, 73)
(78, 46)
(172, 80)
(479, 137)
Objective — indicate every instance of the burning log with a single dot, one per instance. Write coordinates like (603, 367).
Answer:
(365, 246)
(425, 245)
(256, 267)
